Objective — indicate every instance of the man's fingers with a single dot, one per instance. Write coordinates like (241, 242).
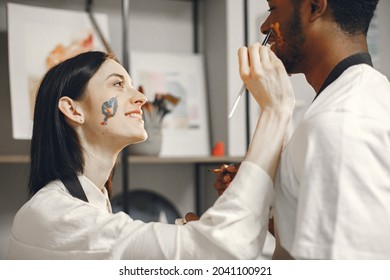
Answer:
(191, 217)
(233, 168)
(227, 178)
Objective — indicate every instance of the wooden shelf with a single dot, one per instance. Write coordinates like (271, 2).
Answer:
(142, 159)
(184, 160)
(14, 159)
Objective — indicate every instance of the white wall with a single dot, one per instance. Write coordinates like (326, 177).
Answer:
(383, 12)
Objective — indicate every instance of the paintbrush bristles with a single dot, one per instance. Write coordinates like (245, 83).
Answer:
(157, 109)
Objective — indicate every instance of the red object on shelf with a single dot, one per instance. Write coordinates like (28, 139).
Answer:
(218, 149)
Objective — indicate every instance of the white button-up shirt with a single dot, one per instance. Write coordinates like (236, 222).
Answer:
(333, 188)
(55, 225)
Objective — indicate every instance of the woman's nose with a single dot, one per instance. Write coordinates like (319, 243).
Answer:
(139, 98)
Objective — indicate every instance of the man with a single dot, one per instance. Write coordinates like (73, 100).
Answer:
(332, 190)
(333, 186)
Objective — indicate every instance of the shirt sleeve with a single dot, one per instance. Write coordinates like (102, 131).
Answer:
(55, 225)
(234, 228)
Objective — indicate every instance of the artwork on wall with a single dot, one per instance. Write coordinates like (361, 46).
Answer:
(184, 127)
(39, 38)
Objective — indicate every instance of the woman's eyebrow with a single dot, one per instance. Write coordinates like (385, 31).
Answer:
(116, 75)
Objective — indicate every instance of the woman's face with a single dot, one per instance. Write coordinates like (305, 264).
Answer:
(112, 108)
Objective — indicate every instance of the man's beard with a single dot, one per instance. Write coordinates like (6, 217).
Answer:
(290, 52)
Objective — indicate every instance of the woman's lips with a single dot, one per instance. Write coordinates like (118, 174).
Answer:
(137, 114)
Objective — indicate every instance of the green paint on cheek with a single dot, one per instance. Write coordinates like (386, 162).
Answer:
(109, 109)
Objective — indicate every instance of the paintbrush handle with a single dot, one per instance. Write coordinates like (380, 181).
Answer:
(237, 100)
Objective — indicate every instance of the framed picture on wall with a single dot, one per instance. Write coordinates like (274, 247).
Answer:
(184, 124)
(39, 38)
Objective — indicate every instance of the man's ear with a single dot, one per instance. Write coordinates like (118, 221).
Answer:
(317, 8)
(72, 112)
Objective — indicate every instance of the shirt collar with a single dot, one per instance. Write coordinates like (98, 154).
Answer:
(355, 59)
(97, 197)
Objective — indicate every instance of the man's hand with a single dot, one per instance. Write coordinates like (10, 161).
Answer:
(225, 175)
(190, 216)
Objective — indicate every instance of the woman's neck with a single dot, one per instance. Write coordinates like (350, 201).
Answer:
(98, 165)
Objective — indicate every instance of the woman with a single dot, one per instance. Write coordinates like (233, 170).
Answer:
(86, 112)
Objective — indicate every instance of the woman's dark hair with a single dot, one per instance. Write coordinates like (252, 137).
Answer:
(55, 148)
(353, 16)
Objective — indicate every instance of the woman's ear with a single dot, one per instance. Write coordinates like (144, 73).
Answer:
(70, 109)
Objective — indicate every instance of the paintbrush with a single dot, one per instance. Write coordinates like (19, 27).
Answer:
(243, 84)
